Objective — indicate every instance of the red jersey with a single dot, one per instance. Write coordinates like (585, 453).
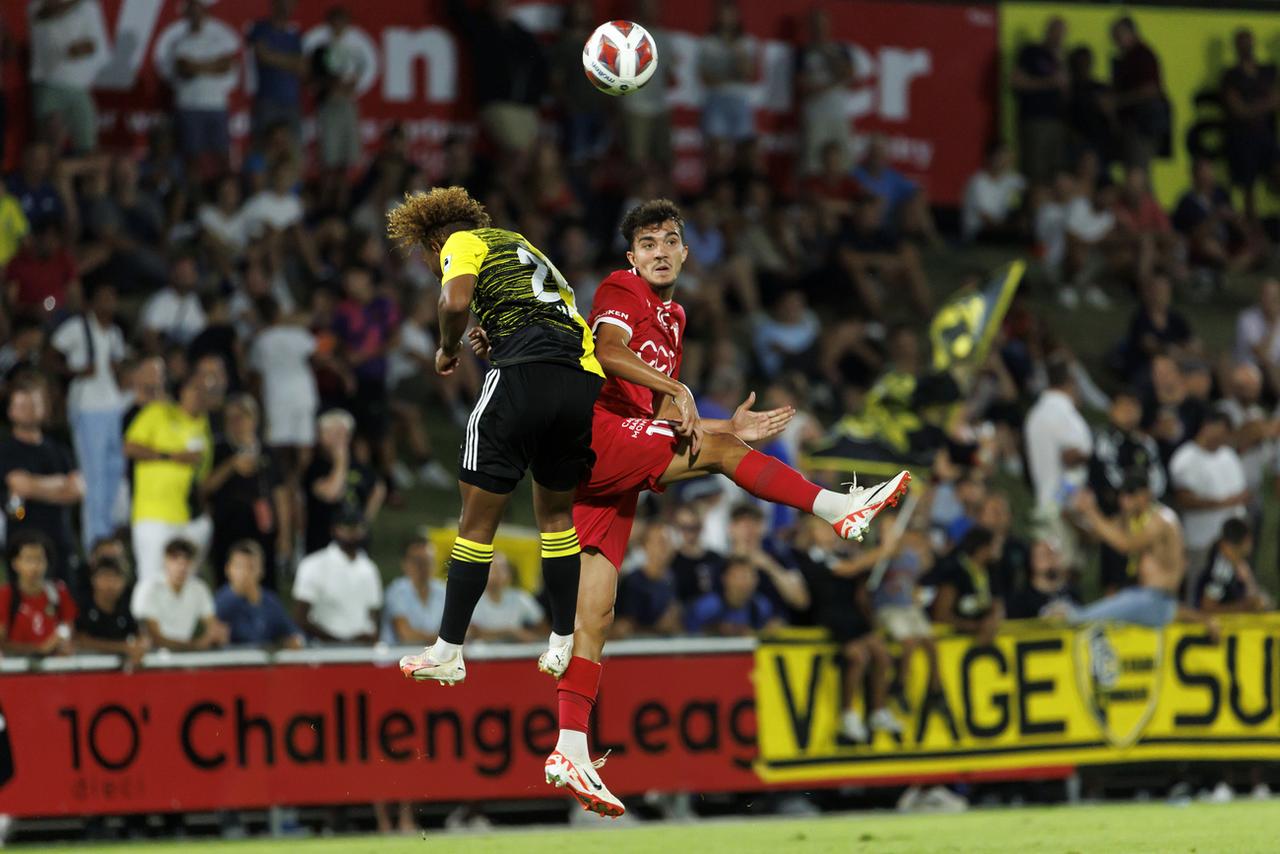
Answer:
(656, 328)
(38, 616)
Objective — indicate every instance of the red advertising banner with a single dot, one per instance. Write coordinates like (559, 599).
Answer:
(184, 740)
(925, 74)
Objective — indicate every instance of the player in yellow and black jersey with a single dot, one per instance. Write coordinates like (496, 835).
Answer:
(534, 412)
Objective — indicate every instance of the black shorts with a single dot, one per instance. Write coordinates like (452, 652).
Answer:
(531, 416)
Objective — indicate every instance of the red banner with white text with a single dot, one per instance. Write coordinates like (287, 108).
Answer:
(925, 74)
(192, 740)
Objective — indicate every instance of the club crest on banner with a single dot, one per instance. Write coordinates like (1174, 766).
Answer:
(1119, 674)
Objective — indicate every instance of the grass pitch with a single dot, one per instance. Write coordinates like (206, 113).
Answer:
(1238, 828)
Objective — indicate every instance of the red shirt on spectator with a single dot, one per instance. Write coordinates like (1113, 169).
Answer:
(38, 616)
(844, 188)
(1146, 216)
(38, 280)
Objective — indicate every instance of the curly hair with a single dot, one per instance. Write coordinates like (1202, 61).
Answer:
(648, 214)
(426, 217)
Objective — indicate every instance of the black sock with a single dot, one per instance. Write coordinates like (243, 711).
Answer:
(468, 577)
(561, 565)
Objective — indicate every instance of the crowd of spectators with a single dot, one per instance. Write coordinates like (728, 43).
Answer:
(219, 364)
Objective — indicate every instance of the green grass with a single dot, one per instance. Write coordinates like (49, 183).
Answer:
(1238, 828)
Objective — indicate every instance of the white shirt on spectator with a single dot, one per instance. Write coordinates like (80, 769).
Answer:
(414, 341)
(269, 209)
(51, 38)
(282, 354)
(1259, 461)
(341, 591)
(1252, 329)
(515, 610)
(231, 230)
(97, 393)
(177, 612)
(1085, 223)
(1209, 475)
(988, 196)
(179, 317)
(214, 40)
(1053, 426)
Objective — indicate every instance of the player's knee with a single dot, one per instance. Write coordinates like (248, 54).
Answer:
(722, 450)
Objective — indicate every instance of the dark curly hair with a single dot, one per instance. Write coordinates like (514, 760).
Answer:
(648, 214)
(423, 218)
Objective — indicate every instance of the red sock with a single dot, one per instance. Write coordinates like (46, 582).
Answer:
(769, 478)
(577, 691)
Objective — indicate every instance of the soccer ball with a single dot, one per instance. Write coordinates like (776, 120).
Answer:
(620, 57)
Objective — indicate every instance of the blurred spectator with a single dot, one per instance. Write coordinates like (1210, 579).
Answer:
(337, 592)
(414, 601)
(415, 389)
(898, 606)
(646, 116)
(1217, 236)
(340, 64)
(36, 613)
(647, 600)
(246, 495)
(335, 481)
(1047, 588)
(696, 568)
(14, 227)
(105, 624)
(68, 49)
(878, 262)
(174, 607)
(1119, 448)
(173, 314)
(1141, 107)
(1258, 332)
(1228, 584)
(1011, 554)
(506, 612)
(43, 279)
(840, 603)
(92, 348)
(1039, 82)
(782, 585)
(1156, 328)
(1090, 110)
(726, 64)
(253, 616)
(39, 480)
(786, 337)
(1059, 443)
(1209, 487)
(24, 352)
(824, 69)
(223, 226)
(280, 67)
(281, 354)
(905, 206)
(584, 113)
(1251, 98)
(1074, 231)
(508, 73)
(171, 446)
(738, 608)
(992, 198)
(1253, 433)
(1147, 242)
(366, 322)
(203, 71)
(965, 597)
(34, 187)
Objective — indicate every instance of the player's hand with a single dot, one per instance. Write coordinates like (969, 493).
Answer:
(689, 425)
(445, 363)
(758, 426)
(479, 342)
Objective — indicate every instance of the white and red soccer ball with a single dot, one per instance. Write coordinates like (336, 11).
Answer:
(620, 57)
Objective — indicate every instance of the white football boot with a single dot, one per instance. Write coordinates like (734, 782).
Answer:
(583, 783)
(424, 667)
(866, 503)
(555, 661)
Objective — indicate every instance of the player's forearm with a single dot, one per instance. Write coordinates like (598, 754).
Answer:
(1112, 534)
(453, 323)
(623, 363)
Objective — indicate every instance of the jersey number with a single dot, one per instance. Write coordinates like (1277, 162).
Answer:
(542, 267)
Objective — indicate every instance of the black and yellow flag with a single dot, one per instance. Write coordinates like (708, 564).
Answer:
(962, 330)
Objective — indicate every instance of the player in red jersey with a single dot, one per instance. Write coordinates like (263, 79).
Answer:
(647, 434)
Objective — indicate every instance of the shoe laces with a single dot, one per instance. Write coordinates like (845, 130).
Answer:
(599, 763)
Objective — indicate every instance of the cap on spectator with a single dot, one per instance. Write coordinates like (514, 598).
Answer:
(348, 515)
(180, 547)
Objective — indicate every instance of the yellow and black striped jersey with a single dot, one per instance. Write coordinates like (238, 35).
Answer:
(524, 304)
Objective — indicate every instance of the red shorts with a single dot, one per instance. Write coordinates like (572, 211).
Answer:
(631, 455)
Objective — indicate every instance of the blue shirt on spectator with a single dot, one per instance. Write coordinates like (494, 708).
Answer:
(263, 623)
(890, 185)
(401, 599)
(644, 599)
(277, 85)
(41, 202)
(712, 610)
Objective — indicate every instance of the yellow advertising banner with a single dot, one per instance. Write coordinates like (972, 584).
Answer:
(1194, 47)
(1036, 699)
